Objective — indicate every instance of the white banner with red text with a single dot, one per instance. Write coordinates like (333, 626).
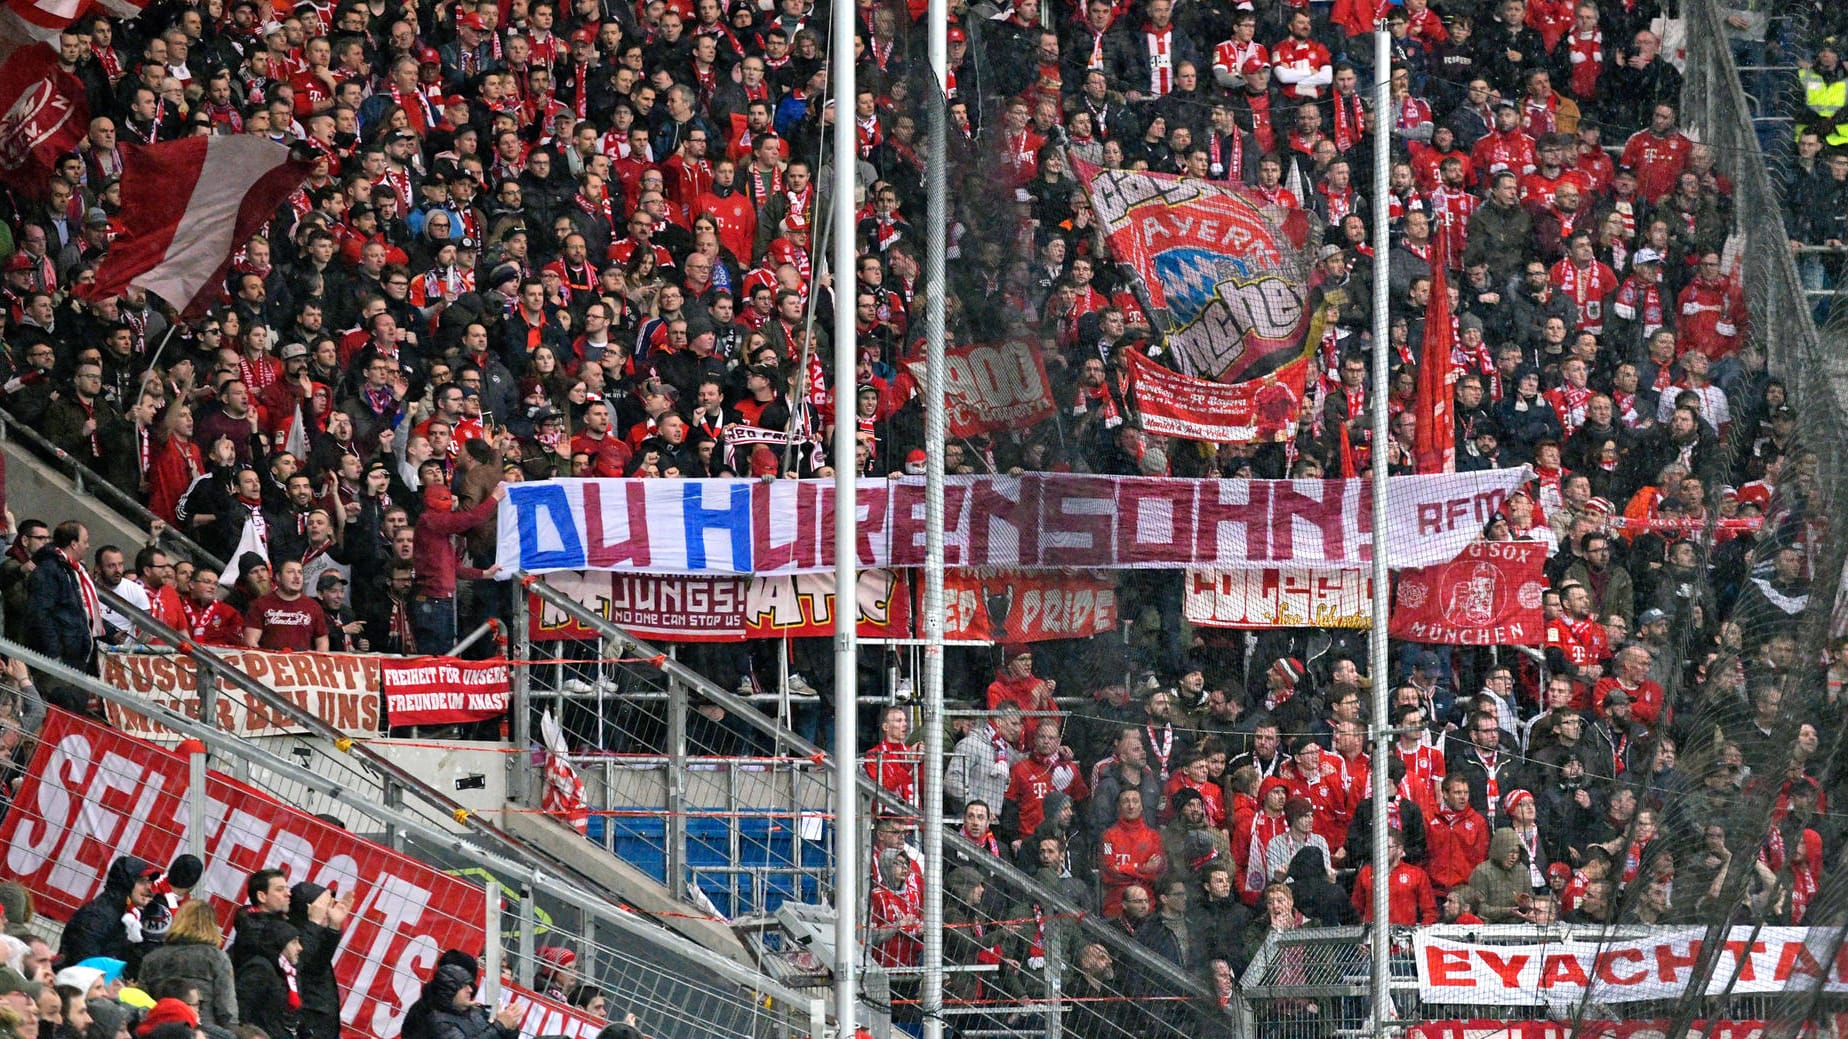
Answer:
(90, 795)
(1034, 521)
(341, 689)
(1660, 1029)
(992, 386)
(1278, 597)
(1264, 410)
(1658, 966)
(443, 690)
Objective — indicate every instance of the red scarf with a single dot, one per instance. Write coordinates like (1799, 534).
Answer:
(1350, 121)
(1538, 117)
(1587, 57)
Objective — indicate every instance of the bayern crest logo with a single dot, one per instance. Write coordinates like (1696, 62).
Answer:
(1412, 594)
(35, 118)
(1531, 594)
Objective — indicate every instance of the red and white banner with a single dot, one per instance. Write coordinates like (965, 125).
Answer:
(187, 205)
(29, 21)
(1033, 521)
(990, 386)
(1282, 597)
(1625, 970)
(1489, 595)
(1495, 1029)
(90, 795)
(42, 109)
(1020, 606)
(684, 608)
(443, 690)
(1175, 405)
(341, 689)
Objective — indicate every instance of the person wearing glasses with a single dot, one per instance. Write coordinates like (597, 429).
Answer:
(18, 565)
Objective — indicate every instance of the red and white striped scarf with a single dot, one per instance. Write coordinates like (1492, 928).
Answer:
(86, 588)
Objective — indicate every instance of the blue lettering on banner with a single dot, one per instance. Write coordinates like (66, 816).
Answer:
(734, 519)
(528, 502)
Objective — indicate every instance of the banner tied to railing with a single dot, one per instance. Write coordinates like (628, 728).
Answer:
(1656, 966)
(1035, 521)
(91, 794)
(979, 605)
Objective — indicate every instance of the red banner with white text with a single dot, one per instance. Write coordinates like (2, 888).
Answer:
(1019, 606)
(1264, 410)
(991, 386)
(1489, 595)
(443, 690)
(90, 795)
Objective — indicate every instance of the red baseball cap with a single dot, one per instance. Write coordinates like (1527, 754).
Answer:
(584, 36)
(1253, 65)
(957, 35)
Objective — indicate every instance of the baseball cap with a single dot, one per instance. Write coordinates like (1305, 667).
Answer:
(1252, 65)
(1645, 255)
(19, 262)
(12, 981)
(1650, 616)
(290, 351)
(957, 35)
(329, 579)
(585, 35)
(471, 20)
(96, 218)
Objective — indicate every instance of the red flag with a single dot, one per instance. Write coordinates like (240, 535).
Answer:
(42, 115)
(40, 21)
(187, 206)
(1487, 596)
(1434, 445)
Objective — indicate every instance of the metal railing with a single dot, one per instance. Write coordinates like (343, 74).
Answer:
(681, 989)
(86, 481)
(414, 815)
(1184, 1002)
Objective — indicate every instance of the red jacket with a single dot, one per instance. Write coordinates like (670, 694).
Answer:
(434, 553)
(894, 766)
(1408, 898)
(1334, 809)
(1712, 314)
(1032, 779)
(1128, 853)
(1455, 844)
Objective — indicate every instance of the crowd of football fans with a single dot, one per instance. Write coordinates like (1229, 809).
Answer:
(557, 240)
(147, 958)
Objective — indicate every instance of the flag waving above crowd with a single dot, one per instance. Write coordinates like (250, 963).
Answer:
(1225, 273)
(42, 112)
(185, 206)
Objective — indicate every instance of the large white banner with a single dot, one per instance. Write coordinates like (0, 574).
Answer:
(1623, 970)
(1033, 521)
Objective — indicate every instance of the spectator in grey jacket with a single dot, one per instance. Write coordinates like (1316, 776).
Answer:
(193, 953)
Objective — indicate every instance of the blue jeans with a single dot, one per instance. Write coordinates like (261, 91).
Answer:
(433, 624)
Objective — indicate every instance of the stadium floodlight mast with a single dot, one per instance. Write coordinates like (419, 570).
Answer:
(936, 219)
(846, 665)
(1377, 469)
